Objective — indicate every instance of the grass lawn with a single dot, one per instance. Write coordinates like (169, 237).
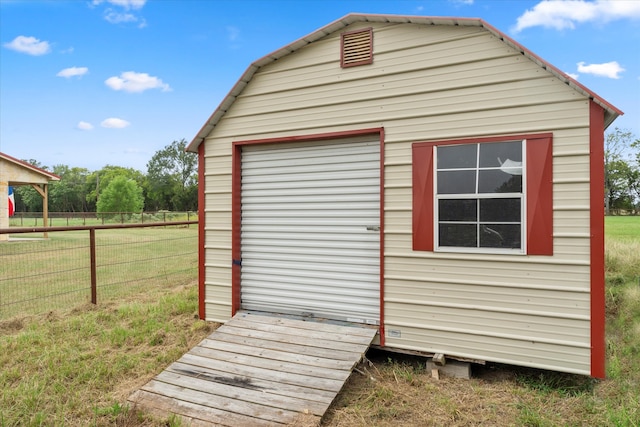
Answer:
(77, 367)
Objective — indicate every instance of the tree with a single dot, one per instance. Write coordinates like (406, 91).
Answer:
(620, 172)
(121, 195)
(68, 194)
(99, 180)
(173, 179)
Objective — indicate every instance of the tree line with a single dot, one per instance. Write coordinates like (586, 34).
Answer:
(171, 183)
(622, 171)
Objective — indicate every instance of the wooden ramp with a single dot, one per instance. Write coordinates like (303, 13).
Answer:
(258, 370)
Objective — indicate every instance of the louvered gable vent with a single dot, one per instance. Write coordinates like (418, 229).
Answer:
(357, 48)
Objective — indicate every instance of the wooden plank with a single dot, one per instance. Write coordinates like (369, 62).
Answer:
(328, 353)
(272, 365)
(286, 356)
(233, 406)
(293, 339)
(267, 386)
(321, 337)
(287, 378)
(192, 413)
(243, 391)
(312, 323)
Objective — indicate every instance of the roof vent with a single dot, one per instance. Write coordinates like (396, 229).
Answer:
(356, 48)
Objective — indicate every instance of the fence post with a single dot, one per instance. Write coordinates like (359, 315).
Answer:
(92, 249)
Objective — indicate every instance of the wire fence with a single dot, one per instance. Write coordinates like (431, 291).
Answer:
(78, 265)
(70, 219)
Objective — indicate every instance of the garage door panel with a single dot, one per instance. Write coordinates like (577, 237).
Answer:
(309, 237)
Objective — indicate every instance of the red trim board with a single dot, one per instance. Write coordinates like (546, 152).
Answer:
(201, 232)
(236, 204)
(596, 142)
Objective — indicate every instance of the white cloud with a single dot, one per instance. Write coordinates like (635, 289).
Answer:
(127, 4)
(560, 15)
(73, 71)
(232, 33)
(114, 17)
(122, 11)
(574, 76)
(114, 123)
(29, 45)
(611, 69)
(84, 125)
(465, 2)
(130, 81)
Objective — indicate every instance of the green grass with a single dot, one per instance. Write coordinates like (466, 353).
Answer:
(623, 319)
(77, 368)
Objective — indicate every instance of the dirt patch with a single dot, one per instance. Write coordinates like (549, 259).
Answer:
(11, 326)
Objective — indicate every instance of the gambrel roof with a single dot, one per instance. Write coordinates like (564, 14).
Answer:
(611, 112)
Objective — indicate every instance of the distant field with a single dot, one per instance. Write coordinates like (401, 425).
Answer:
(622, 227)
(622, 249)
(77, 219)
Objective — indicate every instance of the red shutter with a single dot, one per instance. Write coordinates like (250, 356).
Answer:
(423, 197)
(539, 196)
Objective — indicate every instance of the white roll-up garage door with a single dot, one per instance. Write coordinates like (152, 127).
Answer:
(310, 232)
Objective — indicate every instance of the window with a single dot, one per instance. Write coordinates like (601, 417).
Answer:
(490, 195)
(356, 48)
(479, 196)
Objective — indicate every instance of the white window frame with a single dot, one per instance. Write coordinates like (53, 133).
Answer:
(477, 196)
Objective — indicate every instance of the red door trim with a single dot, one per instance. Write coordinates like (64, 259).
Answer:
(201, 231)
(236, 204)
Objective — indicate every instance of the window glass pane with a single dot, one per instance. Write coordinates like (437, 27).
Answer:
(457, 182)
(459, 235)
(500, 236)
(496, 181)
(501, 154)
(457, 156)
(500, 210)
(458, 210)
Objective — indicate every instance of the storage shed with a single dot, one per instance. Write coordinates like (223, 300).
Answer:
(427, 175)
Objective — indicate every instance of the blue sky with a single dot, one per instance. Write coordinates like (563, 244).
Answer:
(88, 83)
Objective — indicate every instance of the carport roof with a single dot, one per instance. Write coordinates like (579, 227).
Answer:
(24, 165)
(611, 112)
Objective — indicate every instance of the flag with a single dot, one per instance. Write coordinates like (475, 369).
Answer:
(12, 202)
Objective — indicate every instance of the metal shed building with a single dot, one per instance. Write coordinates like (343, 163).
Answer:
(427, 175)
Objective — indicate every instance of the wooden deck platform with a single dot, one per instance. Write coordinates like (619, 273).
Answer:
(258, 370)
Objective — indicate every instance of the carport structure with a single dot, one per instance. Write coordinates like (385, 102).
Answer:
(14, 172)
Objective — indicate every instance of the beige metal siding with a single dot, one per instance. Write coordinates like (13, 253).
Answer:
(431, 83)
